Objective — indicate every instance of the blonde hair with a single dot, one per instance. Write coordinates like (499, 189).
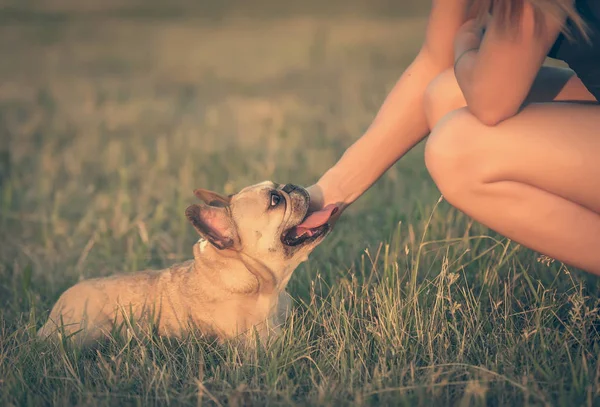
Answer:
(509, 12)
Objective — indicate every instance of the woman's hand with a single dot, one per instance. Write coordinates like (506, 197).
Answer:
(316, 197)
(468, 38)
(322, 201)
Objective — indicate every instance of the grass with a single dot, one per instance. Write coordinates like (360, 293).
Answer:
(106, 127)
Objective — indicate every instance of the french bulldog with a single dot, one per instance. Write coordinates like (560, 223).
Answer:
(250, 244)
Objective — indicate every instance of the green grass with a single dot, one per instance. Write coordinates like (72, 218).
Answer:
(106, 127)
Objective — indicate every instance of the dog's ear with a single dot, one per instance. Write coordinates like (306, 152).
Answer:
(212, 198)
(214, 224)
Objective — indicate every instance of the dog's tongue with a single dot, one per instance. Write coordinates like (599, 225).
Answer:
(316, 219)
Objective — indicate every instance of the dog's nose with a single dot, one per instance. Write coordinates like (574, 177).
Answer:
(289, 188)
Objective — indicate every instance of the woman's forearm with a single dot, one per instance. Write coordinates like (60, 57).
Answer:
(399, 125)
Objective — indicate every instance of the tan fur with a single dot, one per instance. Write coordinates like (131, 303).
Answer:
(222, 291)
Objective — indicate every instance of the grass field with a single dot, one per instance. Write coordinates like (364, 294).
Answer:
(108, 124)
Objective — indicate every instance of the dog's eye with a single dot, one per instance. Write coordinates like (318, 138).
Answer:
(275, 199)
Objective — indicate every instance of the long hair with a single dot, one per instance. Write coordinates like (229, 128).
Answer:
(509, 12)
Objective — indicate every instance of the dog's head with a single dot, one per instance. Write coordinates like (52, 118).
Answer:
(260, 221)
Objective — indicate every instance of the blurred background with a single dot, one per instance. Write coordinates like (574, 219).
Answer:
(214, 10)
(112, 112)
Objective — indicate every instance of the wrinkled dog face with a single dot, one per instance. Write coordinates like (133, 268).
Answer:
(260, 221)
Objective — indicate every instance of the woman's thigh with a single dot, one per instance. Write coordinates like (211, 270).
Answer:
(551, 146)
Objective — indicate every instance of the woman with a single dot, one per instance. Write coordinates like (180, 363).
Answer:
(513, 144)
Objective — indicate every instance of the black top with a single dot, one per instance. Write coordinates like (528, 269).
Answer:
(582, 57)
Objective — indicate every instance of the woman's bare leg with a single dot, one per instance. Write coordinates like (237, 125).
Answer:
(534, 178)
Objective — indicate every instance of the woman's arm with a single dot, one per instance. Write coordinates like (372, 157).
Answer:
(400, 123)
(495, 72)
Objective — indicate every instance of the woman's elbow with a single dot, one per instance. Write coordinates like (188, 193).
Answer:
(490, 112)
(487, 117)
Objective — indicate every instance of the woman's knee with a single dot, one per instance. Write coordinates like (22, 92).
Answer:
(453, 154)
(441, 96)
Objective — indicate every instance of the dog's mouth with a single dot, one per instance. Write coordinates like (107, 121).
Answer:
(296, 236)
(312, 227)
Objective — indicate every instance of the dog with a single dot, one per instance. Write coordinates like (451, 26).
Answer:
(250, 244)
